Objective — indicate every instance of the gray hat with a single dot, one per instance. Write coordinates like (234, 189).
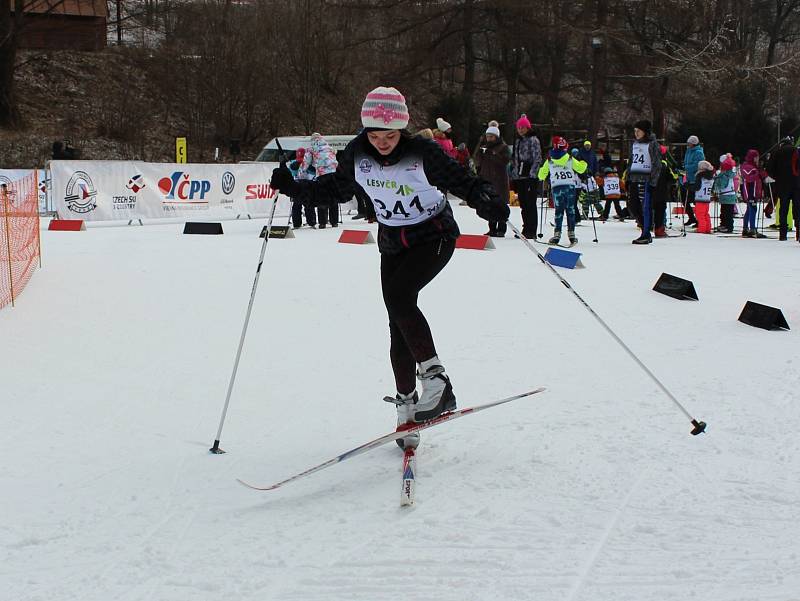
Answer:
(694, 140)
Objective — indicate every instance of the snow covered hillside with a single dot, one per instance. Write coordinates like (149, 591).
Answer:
(116, 360)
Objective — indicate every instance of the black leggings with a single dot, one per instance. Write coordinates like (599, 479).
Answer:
(527, 196)
(402, 277)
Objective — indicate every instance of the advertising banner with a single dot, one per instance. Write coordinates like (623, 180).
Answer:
(124, 190)
(9, 175)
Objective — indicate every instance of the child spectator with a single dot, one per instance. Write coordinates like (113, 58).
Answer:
(612, 189)
(561, 168)
(442, 135)
(301, 202)
(491, 162)
(704, 181)
(725, 188)
(589, 196)
(463, 158)
(322, 158)
(752, 193)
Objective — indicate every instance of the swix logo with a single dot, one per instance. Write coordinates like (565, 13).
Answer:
(259, 192)
(179, 187)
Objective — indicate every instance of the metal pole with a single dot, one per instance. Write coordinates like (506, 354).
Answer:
(779, 110)
(699, 426)
(6, 210)
(38, 220)
(215, 448)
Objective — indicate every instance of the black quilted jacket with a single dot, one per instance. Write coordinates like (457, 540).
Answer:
(441, 171)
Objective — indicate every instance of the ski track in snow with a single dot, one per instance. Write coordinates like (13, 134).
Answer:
(116, 362)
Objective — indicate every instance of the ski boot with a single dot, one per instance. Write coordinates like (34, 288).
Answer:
(405, 404)
(556, 237)
(437, 393)
(572, 239)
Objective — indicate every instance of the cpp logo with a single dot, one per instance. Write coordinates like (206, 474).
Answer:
(179, 186)
(228, 182)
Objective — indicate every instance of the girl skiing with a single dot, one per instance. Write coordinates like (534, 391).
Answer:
(402, 177)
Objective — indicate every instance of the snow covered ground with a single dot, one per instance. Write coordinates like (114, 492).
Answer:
(115, 362)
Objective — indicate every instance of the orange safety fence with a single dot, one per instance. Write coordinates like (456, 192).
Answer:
(20, 248)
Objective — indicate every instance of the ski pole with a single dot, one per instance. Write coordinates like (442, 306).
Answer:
(698, 426)
(772, 203)
(540, 208)
(215, 448)
(547, 198)
(594, 223)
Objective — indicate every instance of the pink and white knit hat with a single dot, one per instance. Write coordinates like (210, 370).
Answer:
(384, 108)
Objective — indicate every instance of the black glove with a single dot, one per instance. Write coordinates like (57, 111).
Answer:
(282, 181)
(491, 208)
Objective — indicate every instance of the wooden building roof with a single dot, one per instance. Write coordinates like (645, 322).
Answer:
(79, 8)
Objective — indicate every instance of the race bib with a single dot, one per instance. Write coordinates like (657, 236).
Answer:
(611, 187)
(640, 158)
(561, 175)
(400, 193)
(703, 193)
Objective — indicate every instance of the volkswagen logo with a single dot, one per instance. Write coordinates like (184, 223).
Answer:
(228, 182)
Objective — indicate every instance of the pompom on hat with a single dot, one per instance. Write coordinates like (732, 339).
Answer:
(443, 125)
(384, 108)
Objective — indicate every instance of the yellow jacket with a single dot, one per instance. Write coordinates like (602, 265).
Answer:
(578, 166)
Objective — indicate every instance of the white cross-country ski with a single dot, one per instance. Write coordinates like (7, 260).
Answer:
(392, 436)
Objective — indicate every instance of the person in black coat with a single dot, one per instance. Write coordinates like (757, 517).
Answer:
(782, 168)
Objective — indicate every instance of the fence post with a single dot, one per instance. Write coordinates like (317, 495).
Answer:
(38, 217)
(6, 210)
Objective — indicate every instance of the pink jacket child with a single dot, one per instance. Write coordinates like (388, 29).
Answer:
(444, 142)
(752, 177)
(319, 155)
(752, 191)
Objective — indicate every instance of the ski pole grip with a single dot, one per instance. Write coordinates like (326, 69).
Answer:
(283, 152)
